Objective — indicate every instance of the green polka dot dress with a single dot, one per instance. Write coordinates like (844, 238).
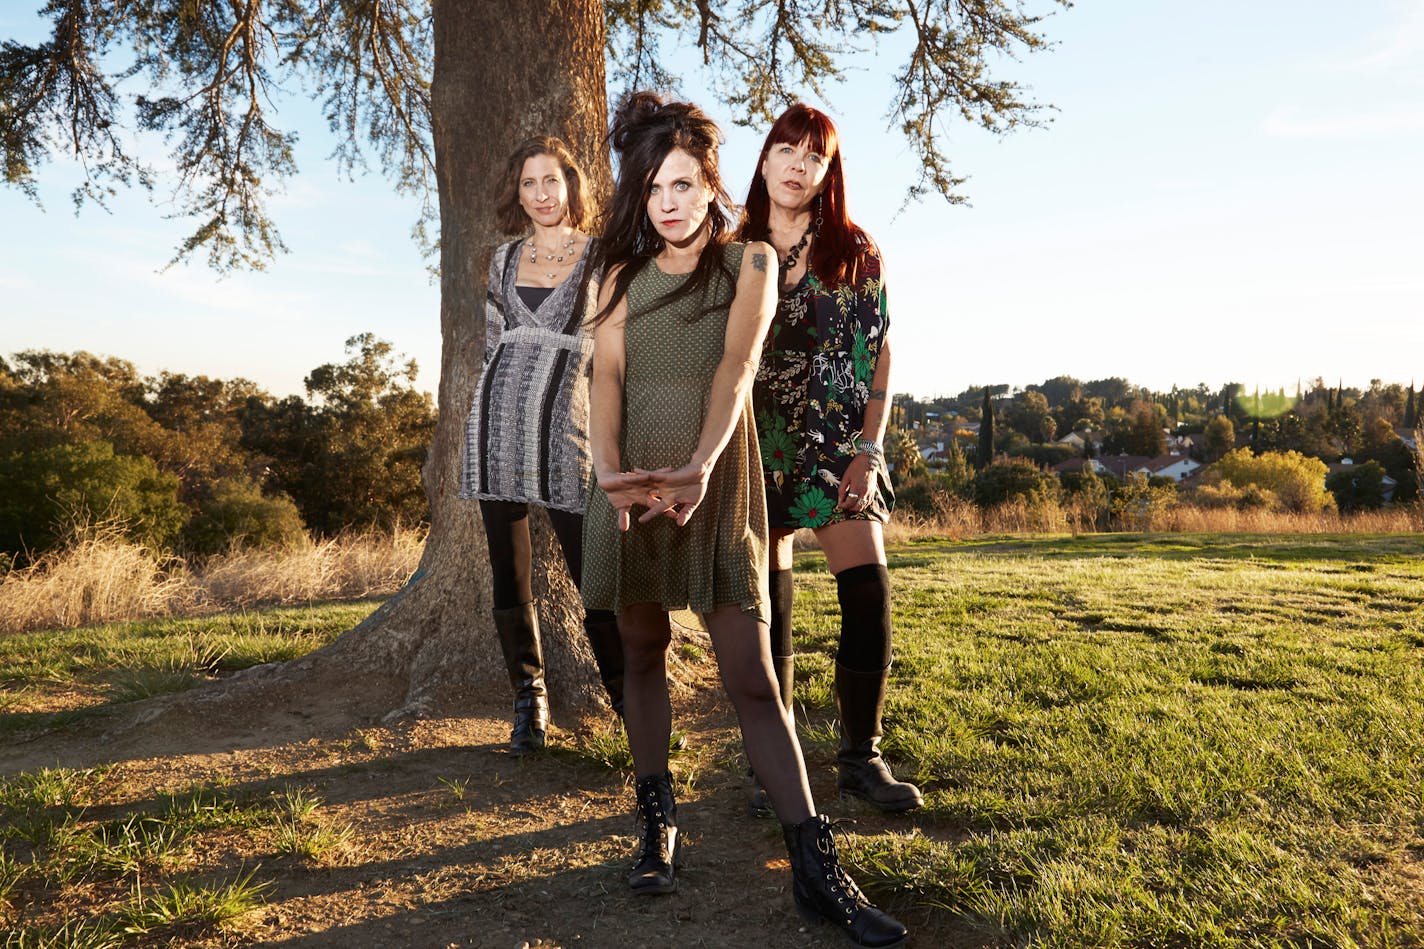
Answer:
(719, 557)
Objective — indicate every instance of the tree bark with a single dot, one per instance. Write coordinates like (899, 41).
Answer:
(496, 81)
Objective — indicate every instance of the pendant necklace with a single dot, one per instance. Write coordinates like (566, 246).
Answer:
(785, 265)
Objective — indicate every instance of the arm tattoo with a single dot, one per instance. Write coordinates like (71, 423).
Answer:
(759, 262)
(877, 394)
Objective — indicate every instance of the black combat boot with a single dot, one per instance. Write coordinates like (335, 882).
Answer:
(655, 871)
(863, 772)
(823, 890)
(518, 629)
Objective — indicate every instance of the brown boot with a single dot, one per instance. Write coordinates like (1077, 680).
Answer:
(863, 772)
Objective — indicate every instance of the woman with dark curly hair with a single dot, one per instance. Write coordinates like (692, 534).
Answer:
(680, 322)
(821, 400)
(527, 433)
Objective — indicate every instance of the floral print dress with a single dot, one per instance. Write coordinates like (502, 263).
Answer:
(810, 395)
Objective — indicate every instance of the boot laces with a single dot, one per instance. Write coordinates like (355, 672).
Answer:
(654, 842)
(847, 893)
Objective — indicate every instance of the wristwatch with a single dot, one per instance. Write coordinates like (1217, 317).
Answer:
(866, 446)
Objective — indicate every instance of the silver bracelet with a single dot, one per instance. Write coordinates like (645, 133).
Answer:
(865, 446)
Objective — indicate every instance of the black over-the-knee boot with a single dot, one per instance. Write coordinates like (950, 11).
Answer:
(602, 630)
(823, 890)
(862, 671)
(863, 773)
(518, 629)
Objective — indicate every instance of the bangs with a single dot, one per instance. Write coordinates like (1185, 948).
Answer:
(801, 123)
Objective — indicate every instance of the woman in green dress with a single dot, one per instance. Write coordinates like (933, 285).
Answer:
(678, 521)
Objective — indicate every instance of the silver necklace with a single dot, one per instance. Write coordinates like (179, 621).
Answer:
(555, 256)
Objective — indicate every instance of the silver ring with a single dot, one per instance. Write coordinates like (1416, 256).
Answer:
(852, 494)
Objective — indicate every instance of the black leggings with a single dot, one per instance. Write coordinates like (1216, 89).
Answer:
(511, 557)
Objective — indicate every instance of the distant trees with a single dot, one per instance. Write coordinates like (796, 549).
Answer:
(1219, 437)
(1146, 437)
(903, 455)
(1009, 479)
(984, 454)
(1358, 487)
(50, 487)
(1031, 415)
(200, 463)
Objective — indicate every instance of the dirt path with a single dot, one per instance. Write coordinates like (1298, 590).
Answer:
(455, 843)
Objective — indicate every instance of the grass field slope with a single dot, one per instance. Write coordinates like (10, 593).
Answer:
(1127, 740)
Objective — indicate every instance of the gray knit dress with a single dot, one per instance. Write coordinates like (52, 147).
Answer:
(526, 437)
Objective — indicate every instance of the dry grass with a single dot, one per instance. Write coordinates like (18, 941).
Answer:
(348, 566)
(101, 577)
(1399, 520)
(957, 518)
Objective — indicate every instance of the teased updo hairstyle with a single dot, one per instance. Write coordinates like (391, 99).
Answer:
(840, 244)
(645, 130)
(509, 215)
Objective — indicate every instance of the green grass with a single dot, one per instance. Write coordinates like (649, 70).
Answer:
(1124, 740)
(90, 668)
(1139, 740)
(51, 847)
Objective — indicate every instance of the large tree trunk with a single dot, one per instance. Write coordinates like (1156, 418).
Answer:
(497, 80)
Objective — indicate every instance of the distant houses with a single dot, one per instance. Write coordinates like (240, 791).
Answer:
(1174, 465)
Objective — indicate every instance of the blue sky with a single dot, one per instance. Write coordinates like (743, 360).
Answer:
(1228, 192)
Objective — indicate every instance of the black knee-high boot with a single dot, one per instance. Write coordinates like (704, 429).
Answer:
(518, 629)
(823, 890)
(603, 638)
(862, 672)
(783, 664)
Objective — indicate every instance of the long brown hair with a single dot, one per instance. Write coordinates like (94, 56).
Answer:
(509, 215)
(840, 244)
(645, 130)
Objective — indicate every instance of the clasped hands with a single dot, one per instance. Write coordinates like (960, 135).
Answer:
(669, 492)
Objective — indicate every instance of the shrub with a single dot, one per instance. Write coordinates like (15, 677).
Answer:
(1009, 479)
(1357, 488)
(237, 514)
(1138, 504)
(1296, 481)
(922, 495)
(1089, 500)
(49, 489)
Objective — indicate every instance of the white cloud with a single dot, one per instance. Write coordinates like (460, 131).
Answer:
(1291, 123)
(1401, 46)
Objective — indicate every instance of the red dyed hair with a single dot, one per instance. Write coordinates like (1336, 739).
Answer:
(840, 243)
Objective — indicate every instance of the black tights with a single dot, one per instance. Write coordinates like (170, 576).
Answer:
(511, 556)
(743, 652)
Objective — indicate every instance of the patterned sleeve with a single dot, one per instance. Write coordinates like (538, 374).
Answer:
(870, 323)
(875, 275)
(494, 300)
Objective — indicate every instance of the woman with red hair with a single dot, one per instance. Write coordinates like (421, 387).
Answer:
(821, 407)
